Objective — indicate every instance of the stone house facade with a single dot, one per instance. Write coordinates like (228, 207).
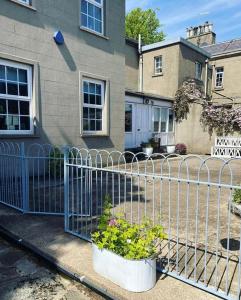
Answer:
(64, 91)
(164, 66)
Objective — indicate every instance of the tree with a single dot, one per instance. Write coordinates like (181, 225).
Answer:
(146, 23)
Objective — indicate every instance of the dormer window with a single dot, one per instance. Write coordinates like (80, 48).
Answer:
(91, 16)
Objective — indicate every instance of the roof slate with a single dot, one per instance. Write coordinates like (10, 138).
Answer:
(224, 47)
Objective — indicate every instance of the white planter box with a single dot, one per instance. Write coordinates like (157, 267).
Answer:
(148, 151)
(132, 275)
(171, 149)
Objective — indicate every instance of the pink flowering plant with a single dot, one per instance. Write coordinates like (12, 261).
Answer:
(222, 120)
(191, 91)
(131, 241)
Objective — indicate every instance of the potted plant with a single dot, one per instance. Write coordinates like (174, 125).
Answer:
(126, 253)
(147, 148)
(181, 149)
(236, 203)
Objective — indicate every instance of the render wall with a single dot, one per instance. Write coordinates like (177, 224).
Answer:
(165, 84)
(131, 67)
(232, 78)
(27, 34)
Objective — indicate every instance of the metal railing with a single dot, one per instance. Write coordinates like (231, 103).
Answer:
(32, 177)
(190, 196)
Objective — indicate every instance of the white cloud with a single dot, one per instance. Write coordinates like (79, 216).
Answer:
(191, 10)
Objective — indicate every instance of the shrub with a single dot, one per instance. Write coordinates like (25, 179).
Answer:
(56, 163)
(237, 196)
(131, 241)
(181, 149)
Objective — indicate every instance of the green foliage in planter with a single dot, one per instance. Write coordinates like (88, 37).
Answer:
(237, 196)
(131, 241)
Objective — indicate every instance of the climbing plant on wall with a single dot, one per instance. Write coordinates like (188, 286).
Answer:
(219, 118)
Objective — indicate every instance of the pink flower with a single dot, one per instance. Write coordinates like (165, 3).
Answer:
(112, 222)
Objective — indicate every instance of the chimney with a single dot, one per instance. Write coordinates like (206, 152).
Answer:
(201, 35)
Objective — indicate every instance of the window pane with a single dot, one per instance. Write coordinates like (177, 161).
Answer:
(98, 125)
(92, 125)
(90, 9)
(2, 72)
(12, 74)
(98, 13)
(84, 19)
(98, 114)
(23, 90)
(86, 125)
(98, 89)
(98, 100)
(156, 119)
(92, 99)
(92, 88)
(24, 108)
(91, 23)
(164, 112)
(12, 107)
(3, 106)
(86, 98)
(22, 74)
(92, 113)
(171, 121)
(84, 6)
(24, 123)
(86, 87)
(3, 122)
(128, 118)
(86, 113)
(98, 25)
(12, 88)
(13, 122)
(2, 87)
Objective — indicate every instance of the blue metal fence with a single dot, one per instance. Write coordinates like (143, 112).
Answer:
(191, 196)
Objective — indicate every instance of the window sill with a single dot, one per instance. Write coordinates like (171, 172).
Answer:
(94, 33)
(24, 5)
(157, 75)
(89, 135)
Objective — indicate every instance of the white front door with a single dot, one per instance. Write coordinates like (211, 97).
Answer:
(137, 124)
(143, 133)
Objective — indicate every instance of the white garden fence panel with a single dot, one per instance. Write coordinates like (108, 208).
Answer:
(227, 147)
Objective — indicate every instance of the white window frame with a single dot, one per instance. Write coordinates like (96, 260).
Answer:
(28, 98)
(198, 70)
(101, 6)
(87, 105)
(216, 75)
(167, 122)
(27, 2)
(158, 67)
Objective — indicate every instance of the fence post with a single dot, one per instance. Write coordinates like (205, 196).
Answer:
(66, 188)
(24, 181)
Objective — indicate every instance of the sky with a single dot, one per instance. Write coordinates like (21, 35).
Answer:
(177, 15)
